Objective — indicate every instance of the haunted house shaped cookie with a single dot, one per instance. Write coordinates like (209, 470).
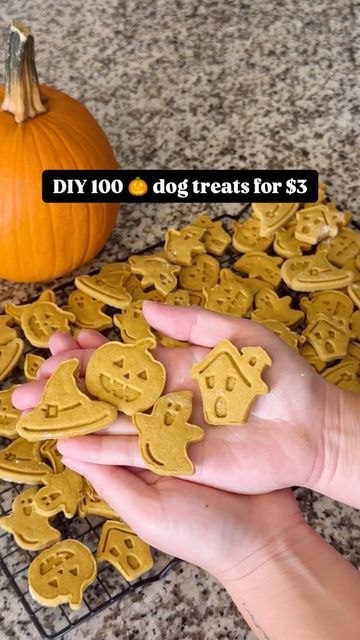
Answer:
(229, 380)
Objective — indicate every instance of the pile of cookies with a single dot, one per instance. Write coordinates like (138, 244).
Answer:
(296, 269)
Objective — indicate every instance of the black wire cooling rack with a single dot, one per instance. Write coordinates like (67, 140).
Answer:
(109, 586)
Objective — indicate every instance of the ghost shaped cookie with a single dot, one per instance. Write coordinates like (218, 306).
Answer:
(132, 324)
(88, 311)
(31, 530)
(64, 411)
(269, 306)
(165, 434)
(120, 546)
(181, 246)
(229, 381)
(126, 375)
(61, 573)
(62, 492)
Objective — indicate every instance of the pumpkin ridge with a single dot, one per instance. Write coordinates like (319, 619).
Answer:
(42, 164)
(73, 258)
(74, 131)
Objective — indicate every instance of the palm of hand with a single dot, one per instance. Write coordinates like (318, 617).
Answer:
(276, 448)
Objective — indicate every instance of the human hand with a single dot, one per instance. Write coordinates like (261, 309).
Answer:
(292, 436)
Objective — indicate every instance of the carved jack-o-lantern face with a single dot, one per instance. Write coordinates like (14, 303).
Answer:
(41, 319)
(138, 187)
(60, 574)
(126, 375)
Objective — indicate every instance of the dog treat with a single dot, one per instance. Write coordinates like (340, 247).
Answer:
(32, 364)
(328, 338)
(292, 339)
(61, 573)
(41, 319)
(50, 454)
(344, 247)
(254, 285)
(7, 333)
(230, 297)
(126, 375)
(21, 462)
(179, 297)
(355, 324)
(354, 352)
(203, 272)
(270, 305)
(15, 311)
(334, 304)
(64, 411)
(314, 273)
(8, 414)
(132, 324)
(31, 530)
(122, 548)
(62, 492)
(354, 293)
(246, 236)
(152, 294)
(316, 223)
(91, 504)
(156, 272)
(273, 215)
(229, 380)
(88, 311)
(181, 246)
(108, 285)
(344, 375)
(215, 238)
(308, 352)
(10, 354)
(166, 433)
(259, 265)
(287, 245)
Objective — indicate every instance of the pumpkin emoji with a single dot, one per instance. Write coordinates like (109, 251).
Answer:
(138, 187)
(45, 129)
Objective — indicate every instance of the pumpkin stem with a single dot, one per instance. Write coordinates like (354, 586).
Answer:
(22, 91)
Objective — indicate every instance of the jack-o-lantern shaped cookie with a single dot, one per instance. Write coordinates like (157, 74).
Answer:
(126, 375)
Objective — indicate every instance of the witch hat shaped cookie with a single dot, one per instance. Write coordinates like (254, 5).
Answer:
(64, 411)
(21, 462)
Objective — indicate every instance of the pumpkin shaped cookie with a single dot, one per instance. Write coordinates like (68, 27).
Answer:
(126, 375)
(61, 573)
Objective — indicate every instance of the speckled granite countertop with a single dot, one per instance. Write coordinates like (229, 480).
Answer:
(208, 85)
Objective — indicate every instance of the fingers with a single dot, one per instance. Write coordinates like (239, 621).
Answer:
(50, 365)
(127, 493)
(60, 342)
(28, 395)
(90, 339)
(103, 450)
(203, 327)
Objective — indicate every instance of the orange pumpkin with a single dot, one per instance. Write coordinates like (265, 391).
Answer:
(43, 128)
